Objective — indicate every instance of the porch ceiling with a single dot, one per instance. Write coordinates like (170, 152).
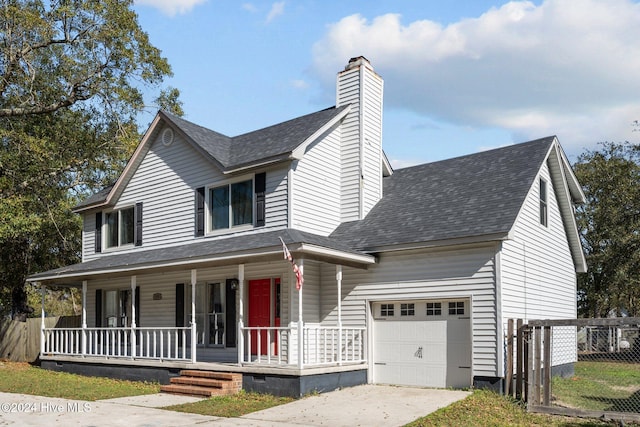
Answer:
(210, 252)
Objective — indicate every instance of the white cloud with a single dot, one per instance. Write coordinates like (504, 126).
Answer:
(249, 7)
(171, 7)
(565, 68)
(277, 9)
(299, 84)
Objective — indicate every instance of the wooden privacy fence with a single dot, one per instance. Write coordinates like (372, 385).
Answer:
(575, 367)
(20, 341)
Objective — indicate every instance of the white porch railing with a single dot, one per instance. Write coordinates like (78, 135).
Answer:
(144, 343)
(321, 345)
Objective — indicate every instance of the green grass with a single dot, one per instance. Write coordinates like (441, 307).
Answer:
(231, 406)
(600, 386)
(485, 408)
(26, 379)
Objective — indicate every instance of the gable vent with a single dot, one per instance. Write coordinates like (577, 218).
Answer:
(167, 136)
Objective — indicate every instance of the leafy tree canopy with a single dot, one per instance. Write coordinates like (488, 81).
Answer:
(610, 226)
(72, 78)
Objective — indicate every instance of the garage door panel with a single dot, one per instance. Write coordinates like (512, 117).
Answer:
(425, 352)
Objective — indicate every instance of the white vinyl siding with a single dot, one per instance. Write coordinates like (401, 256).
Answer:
(372, 129)
(538, 277)
(162, 312)
(316, 187)
(165, 182)
(349, 93)
(423, 275)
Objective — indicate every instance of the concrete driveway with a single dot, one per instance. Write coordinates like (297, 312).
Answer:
(365, 405)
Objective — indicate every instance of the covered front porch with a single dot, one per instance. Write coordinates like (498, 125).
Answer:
(233, 337)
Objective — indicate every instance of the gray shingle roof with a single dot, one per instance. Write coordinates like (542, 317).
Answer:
(98, 197)
(206, 249)
(273, 141)
(474, 195)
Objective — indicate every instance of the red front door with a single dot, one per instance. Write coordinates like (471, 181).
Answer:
(259, 312)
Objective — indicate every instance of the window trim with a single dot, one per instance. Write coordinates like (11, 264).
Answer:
(105, 228)
(207, 206)
(544, 202)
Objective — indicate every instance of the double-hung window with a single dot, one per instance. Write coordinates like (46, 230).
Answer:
(119, 227)
(544, 215)
(231, 205)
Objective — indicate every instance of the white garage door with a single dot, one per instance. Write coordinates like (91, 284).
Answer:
(422, 343)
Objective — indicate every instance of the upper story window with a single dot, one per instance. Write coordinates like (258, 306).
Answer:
(119, 227)
(235, 204)
(544, 211)
(231, 205)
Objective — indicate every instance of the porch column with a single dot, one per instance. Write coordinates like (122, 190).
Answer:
(241, 314)
(133, 316)
(84, 318)
(339, 282)
(194, 278)
(300, 324)
(42, 314)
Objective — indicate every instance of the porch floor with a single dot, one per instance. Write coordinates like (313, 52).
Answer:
(222, 366)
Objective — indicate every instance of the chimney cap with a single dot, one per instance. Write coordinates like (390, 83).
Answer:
(356, 62)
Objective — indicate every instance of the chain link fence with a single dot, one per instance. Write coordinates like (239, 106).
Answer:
(579, 367)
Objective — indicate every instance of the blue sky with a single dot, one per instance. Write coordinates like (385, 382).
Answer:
(460, 76)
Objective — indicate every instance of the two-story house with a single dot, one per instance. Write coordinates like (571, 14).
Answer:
(409, 275)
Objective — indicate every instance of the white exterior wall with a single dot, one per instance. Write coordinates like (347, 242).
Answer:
(165, 183)
(162, 312)
(538, 278)
(426, 274)
(316, 187)
(372, 121)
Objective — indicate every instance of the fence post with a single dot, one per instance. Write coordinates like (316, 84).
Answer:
(508, 387)
(537, 362)
(519, 357)
(529, 364)
(547, 366)
(42, 314)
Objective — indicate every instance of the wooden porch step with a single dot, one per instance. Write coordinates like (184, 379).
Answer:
(191, 390)
(228, 376)
(204, 383)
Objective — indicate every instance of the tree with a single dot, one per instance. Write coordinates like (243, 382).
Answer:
(610, 230)
(72, 74)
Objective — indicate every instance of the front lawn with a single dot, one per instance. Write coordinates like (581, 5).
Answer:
(26, 379)
(485, 408)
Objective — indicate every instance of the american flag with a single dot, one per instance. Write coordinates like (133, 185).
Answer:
(296, 269)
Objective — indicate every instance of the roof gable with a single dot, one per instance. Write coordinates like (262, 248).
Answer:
(229, 154)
